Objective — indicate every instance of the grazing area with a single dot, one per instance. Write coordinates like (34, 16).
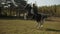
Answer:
(16, 26)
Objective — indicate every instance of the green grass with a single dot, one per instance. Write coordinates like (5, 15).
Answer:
(27, 27)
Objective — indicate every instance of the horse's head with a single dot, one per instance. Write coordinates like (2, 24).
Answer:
(28, 7)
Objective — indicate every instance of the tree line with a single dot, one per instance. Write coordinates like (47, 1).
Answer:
(51, 10)
(16, 11)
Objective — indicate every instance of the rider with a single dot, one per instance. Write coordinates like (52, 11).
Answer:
(35, 9)
(37, 16)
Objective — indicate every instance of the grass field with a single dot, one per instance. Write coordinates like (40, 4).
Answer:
(28, 27)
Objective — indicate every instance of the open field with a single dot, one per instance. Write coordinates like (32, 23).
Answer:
(28, 27)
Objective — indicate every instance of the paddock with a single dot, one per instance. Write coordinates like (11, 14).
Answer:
(17, 26)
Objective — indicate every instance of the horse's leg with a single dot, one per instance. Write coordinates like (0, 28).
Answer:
(38, 25)
(41, 24)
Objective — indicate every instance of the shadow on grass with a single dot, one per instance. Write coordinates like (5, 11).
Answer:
(56, 30)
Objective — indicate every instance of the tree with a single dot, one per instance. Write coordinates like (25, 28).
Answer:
(12, 8)
(21, 4)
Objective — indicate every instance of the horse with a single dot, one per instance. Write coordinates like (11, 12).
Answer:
(39, 18)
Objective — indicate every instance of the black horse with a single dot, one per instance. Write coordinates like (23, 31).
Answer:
(39, 18)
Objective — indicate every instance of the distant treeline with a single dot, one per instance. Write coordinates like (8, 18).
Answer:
(51, 10)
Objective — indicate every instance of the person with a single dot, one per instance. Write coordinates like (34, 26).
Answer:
(35, 12)
(37, 17)
(35, 9)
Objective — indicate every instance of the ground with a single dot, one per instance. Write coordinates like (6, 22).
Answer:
(17, 26)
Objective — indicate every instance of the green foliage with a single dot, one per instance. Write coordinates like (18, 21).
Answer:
(11, 11)
(52, 10)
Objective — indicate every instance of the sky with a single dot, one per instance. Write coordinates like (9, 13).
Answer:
(44, 2)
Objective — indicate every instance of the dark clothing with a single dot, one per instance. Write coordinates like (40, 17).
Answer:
(35, 10)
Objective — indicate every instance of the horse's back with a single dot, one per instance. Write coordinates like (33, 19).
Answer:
(37, 17)
(40, 17)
